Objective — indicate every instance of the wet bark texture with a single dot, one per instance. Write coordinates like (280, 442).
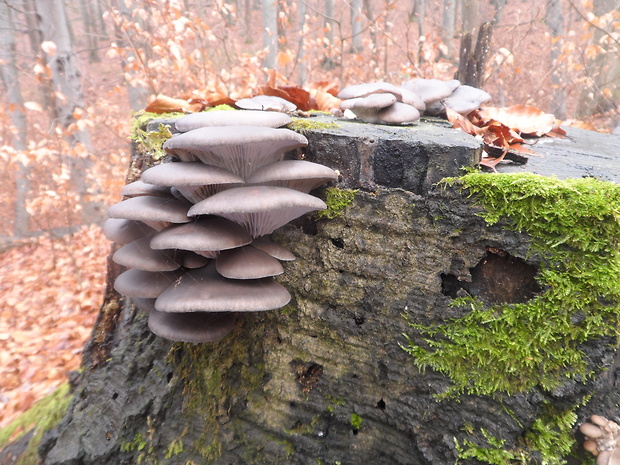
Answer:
(325, 380)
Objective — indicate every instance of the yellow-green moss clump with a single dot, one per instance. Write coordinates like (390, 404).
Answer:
(42, 416)
(504, 349)
(337, 200)
(308, 124)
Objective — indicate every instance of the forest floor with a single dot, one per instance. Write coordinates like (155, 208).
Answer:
(51, 290)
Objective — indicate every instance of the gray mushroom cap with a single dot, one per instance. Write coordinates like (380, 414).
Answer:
(266, 103)
(193, 179)
(265, 244)
(204, 289)
(363, 90)
(210, 233)
(300, 175)
(399, 113)
(239, 149)
(431, 90)
(196, 327)
(194, 260)
(466, 99)
(260, 209)
(124, 231)
(247, 263)
(138, 188)
(138, 254)
(231, 118)
(144, 284)
(156, 212)
(376, 101)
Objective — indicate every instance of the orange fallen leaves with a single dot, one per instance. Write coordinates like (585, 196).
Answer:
(504, 130)
(50, 293)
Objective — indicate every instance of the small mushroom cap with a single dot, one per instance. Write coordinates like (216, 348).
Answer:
(204, 289)
(194, 260)
(349, 103)
(599, 420)
(210, 233)
(363, 90)
(188, 174)
(144, 284)
(377, 101)
(466, 99)
(247, 263)
(590, 446)
(614, 458)
(125, 231)
(151, 209)
(139, 188)
(603, 458)
(260, 209)
(591, 431)
(265, 244)
(431, 90)
(239, 149)
(197, 327)
(138, 254)
(300, 175)
(193, 179)
(266, 103)
(399, 113)
(231, 118)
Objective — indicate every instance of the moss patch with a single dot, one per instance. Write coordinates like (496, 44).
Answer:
(42, 416)
(337, 200)
(575, 227)
(504, 349)
(309, 124)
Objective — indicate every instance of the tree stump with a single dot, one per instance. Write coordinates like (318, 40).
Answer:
(326, 379)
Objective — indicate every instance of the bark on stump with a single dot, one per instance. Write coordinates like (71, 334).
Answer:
(323, 380)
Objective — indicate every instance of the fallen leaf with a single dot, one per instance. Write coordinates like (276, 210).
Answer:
(523, 119)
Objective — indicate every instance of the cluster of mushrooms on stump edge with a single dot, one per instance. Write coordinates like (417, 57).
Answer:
(195, 231)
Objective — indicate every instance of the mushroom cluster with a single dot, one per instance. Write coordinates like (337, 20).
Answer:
(602, 439)
(195, 231)
(384, 103)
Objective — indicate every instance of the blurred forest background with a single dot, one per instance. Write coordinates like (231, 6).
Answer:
(75, 71)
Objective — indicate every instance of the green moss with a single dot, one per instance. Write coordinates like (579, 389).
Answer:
(575, 227)
(356, 421)
(42, 416)
(138, 443)
(337, 200)
(550, 436)
(308, 124)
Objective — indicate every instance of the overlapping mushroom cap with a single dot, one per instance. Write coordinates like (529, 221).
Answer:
(372, 101)
(602, 439)
(239, 149)
(260, 209)
(231, 118)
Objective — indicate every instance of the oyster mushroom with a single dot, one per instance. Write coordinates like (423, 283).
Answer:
(138, 254)
(205, 290)
(266, 103)
(124, 231)
(247, 263)
(466, 99)
(194, 180)
(144, 284)
(300, 175)
(156, 212)
(260, 209)
(196, 327)
(231, 118)
(239, 149)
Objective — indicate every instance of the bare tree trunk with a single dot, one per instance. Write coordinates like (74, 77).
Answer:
(66, 74)
(471, 16)
(328, 62)
(10, 79)
(247, 15)
(499, 10)
(301, 65)
(356, 26)
(138, 94)
(270, 33)
(472, 60)
(87, 11)
(555, 21)
(448, 25)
